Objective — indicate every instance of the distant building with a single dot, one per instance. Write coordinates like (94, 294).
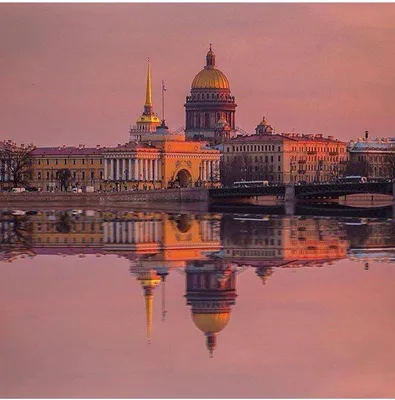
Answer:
(378, 153)
(285, 157)
(210, 109)
(85, 165)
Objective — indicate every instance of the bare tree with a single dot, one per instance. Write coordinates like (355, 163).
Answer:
(390, 164)
(360, 168)
(16, 162)
(63, 175)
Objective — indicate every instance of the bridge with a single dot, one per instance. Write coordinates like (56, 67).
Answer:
(301, 192)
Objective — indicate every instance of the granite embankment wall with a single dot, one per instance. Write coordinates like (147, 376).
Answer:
(170, 196)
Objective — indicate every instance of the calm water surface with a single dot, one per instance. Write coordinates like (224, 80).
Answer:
(139, 304)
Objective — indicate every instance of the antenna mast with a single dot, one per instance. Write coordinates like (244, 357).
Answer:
(163, 100)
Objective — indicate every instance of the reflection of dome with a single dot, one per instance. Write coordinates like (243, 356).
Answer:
(211, 323)
(210, 77)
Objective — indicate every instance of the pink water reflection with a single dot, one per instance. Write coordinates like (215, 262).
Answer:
(75, 327)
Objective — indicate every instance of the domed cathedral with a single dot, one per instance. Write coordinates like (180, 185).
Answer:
(210, 291)
(210, 102)
(148, 121)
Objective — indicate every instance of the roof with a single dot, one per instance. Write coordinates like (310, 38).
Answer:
(279, 137)
(67, 151)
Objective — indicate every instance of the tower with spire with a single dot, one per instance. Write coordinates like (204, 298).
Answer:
(148, 121)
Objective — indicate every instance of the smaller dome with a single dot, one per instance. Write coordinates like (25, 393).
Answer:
(211, 323)
(148, 119)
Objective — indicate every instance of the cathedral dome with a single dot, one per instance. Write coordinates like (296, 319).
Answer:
(211, 323)
(210, 77)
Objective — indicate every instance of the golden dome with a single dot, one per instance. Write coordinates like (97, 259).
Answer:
(210, 79)
(211, 323)
(149, 119)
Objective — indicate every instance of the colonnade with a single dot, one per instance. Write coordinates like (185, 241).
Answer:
(123, 232)
(132, 169)
(209, 170)
(210, 230)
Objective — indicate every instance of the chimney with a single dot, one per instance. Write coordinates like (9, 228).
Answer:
(366, 135)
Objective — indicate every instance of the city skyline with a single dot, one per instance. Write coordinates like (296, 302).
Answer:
(76, 73)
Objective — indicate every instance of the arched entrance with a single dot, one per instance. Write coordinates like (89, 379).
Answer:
(184, 178)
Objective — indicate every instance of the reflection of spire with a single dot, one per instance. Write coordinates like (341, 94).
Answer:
(149, 299)
(164, 312)
(211, 343)
(366, 266)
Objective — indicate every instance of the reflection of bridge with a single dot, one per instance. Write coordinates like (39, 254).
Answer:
(300, 192)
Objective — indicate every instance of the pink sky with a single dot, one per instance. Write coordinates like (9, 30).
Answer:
(75, 73)
(72, 327)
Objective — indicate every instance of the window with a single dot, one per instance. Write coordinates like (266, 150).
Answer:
(39, 162)
(38, 175)
(74, 162)
(92, 174)
(91, 161)
(47, 174)
(271, 158)
(83, 161)
(65, 161)
(56, 161)
(101, 161)
(47, 162)
(83, 174)
(279, 158)
(74, 175)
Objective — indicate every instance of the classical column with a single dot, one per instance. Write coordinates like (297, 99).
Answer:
(112, 169)
(105, 168)
(130, 239)
(117, 232)
(123, 169)
(151, 172)
(141, 169)
(130, 170)
(146, 169)
(159, 170)
(105, 231)
(135, 232)
(136, 169)
(124, 232)
(209, 171)
(116, 169)
(111, 229)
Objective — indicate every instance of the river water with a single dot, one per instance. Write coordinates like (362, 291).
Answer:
(101, 303)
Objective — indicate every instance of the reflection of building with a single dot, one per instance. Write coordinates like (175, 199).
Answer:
(210, 109)
(286, 157)
(282, 242)
(210, 291)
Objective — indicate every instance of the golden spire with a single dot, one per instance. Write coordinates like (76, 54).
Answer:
(148, 94)
(149, 299)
